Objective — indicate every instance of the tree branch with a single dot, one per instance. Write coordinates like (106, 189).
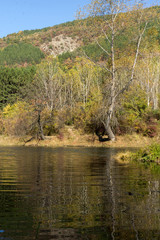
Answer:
(134, 64)
(96, 63)
(103, 48)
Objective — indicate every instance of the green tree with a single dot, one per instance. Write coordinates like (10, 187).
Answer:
(13, 83)
(20, 53)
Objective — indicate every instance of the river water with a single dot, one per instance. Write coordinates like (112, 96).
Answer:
(75, 193)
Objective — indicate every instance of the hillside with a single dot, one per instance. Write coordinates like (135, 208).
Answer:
(104, 80)
(66, 37)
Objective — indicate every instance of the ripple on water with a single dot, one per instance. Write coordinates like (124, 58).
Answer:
(75, 193)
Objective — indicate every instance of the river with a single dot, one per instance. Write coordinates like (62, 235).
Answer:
(76, 193)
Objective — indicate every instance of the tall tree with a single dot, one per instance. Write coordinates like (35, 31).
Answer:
(108, 16)
(46, 91)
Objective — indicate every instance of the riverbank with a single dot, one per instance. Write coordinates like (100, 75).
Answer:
(72, 137)
(148, 157)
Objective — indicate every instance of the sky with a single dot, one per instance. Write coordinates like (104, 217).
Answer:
(19, 15)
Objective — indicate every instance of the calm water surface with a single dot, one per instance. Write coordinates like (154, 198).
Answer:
(75, 193)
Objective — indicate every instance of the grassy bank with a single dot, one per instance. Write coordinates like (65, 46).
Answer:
(72, 137)
(148, 156)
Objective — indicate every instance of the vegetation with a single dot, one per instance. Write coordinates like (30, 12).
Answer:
(110, 86)
(82, 29)
(20, 53)
(148, 157)
(29, 32)
(13, 83)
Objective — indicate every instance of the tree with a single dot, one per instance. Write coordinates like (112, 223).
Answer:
(148, 68)
(46, 92)
(83, 90)
(148, 74)
(109, 16)
(17, 118)
(13, 82)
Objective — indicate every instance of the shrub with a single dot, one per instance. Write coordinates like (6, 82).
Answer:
(147, 155)
(17, 118)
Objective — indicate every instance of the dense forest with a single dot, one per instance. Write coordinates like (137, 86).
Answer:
(20, 53)
(109, 85)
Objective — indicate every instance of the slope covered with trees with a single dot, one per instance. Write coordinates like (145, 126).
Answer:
(19, 54)
(109, 85)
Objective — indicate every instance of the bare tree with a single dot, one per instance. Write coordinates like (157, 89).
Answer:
(46, 91)
(148, 75)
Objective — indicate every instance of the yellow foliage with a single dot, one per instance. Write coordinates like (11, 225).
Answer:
(17, 118)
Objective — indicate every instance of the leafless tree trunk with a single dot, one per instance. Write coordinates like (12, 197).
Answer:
(40, 127)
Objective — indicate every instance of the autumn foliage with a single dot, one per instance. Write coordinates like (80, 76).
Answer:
(75, 88)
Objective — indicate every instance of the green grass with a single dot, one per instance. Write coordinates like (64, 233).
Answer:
(148, 157)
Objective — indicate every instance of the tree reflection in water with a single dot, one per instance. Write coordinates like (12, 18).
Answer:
(76, 193)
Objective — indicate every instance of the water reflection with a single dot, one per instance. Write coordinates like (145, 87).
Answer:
(75, 193)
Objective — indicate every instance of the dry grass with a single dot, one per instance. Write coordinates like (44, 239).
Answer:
(123, 157)
(9, 141)
(70, 136)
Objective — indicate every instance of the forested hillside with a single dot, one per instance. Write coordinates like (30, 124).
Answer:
(100, 74)
(73, 35)
(20, 53)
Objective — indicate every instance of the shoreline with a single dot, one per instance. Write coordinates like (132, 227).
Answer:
(79, 140)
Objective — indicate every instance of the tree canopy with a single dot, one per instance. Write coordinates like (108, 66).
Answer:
(20, 53)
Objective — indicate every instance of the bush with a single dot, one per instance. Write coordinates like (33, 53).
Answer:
(148, 155)
(17, 119)
(135, 116)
